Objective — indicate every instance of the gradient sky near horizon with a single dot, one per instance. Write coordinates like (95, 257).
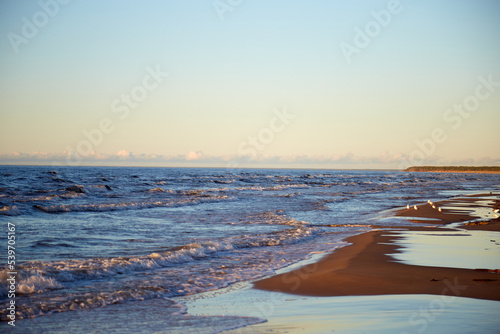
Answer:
(230, 72)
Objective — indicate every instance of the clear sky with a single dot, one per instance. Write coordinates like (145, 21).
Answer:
(237, 83)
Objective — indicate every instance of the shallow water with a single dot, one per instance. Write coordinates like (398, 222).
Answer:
(402, 314)
(92, 237)
(145, 317)
(469, 249)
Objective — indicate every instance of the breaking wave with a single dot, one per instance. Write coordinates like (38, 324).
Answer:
(8, 210)
(98, 207)
(36, 277)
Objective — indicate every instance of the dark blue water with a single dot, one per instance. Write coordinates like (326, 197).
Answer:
(91, 237)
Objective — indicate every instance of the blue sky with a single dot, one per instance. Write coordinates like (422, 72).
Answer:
(250, 83)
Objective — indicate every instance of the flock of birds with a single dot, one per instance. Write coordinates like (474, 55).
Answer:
(430, 203)
(495, 211)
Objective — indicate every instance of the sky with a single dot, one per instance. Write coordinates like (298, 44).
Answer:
(240, 83)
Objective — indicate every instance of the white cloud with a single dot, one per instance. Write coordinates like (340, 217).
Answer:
(192, 155)
(198, 158)
(123, 154)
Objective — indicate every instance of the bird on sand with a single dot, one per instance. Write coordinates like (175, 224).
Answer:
(439, 209)
(415, 207)
(408, 206)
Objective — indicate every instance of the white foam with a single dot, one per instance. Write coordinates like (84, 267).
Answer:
(36, 282)
(9, 210)
(35, 277)
(126, 205)
(28, 282)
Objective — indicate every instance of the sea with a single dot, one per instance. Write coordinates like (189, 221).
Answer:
(89, 240)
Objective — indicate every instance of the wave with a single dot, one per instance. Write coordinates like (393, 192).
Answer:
(84, 301)
(223, 181)
(71, 195)
(94, 207)
(25, 199)
(274, 218)
(36, 277)
(100, 187)
(36, 282)
(52, 243)
(278, 238)
(9, 210)
(155, 190)
(29, 282)
(274, 188)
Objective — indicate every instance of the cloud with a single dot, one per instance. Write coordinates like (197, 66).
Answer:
(192, 155)
(198, 158)
(123, 154)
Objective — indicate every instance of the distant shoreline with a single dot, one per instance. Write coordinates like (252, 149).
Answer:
(454, 169)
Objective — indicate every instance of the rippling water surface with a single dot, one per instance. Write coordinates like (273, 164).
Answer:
(91, 237)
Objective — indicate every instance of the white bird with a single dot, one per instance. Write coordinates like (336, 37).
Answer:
(439, 209)
(496, 210)
(408, 206)
(433, 206)
(415, 207)
(429, 201)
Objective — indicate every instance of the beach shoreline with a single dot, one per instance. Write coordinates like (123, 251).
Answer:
(454, 169)
(366, 268)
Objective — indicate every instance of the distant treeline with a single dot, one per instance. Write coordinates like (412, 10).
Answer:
(444, 169)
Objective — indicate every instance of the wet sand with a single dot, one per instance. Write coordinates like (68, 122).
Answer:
(366, 268)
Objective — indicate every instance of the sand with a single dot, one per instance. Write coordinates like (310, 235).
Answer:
(365, 268)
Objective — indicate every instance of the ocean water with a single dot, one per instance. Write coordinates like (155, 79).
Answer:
(92, 238)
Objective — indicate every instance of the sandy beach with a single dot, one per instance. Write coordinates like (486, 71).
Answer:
(366, 268)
